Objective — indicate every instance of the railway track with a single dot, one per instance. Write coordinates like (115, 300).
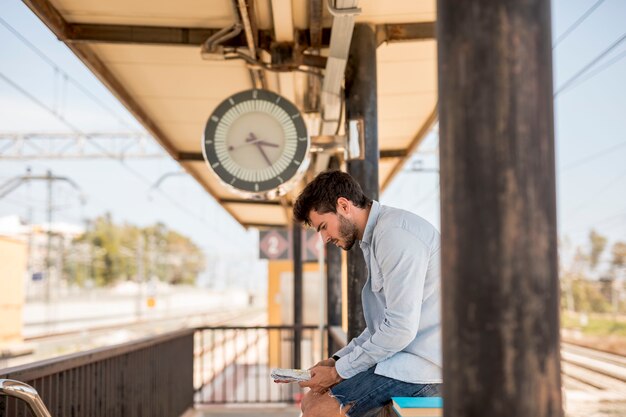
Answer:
(65, 342)
(588, 369)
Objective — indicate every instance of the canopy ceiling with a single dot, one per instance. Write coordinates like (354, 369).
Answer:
(148, 54)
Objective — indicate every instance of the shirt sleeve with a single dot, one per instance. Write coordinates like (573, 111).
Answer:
(403, 260)
(357, 341)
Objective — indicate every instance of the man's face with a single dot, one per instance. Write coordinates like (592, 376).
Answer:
(335, 228)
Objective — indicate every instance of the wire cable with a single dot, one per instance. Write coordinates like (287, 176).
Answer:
(598, 192)
(599, 69)
(581, 72)
(137, 174)
(590, 158)
(60, 71)
(577, 23)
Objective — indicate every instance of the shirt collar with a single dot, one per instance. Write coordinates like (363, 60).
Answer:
(371, 222)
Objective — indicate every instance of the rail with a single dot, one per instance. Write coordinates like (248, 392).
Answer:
(151, 377)
(163, 376)
(26, 393)
(233, 363)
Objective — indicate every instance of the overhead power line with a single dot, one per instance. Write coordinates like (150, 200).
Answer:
(65, 75)
(600, 68)
(590, 158)
(577, 23)
(48, 109)
(593, 62)
(599, 191)
(75, 129)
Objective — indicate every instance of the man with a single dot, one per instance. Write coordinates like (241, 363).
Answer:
(399, 353)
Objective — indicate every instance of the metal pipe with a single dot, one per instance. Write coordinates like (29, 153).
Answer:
(297, 294)
(247, 27)
(362, 104)
(25, 393)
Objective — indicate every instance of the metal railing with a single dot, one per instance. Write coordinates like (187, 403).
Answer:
(151, 377)
(165, 375)
(233, 364)
(26, 393)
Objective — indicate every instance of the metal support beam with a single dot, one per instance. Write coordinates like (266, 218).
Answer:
(88, 145)
(316, 37)
(383, 154)
(334, 307)
(405, 32)
(314, 83)
(255, 202)
(498, 210)
(297, 294)
(361, 103)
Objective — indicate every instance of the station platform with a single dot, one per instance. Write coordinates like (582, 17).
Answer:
(234, 410)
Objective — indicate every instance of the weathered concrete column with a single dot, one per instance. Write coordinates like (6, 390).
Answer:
(361, 103)
(498, 216)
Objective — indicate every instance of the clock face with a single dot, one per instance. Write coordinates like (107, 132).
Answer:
(256, 141)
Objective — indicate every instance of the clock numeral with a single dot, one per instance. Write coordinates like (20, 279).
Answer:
(231, 101)
(296, 162)
(277, 100)
(280, 180)
(215, 165)
(302, 139)
(215, 119)
(256, 187)
(255, 93)
(233, 181)
(295, 116)
(208, 141)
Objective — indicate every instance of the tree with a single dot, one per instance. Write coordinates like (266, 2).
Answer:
(619, 255)
(598, 243)
(113, 254)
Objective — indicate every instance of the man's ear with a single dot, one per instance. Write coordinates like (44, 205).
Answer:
(343, 206)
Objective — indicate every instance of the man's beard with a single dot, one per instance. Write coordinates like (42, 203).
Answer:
(347, 232)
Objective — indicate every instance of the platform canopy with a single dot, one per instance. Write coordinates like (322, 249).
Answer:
(148, 53)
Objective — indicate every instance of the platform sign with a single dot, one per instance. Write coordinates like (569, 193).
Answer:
(311, 245)
(276, 244)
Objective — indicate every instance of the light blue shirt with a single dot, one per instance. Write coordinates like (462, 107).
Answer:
(401, 300)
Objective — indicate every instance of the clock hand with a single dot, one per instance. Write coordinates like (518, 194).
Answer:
(253, 140)
(265, 143)
(259, 146)
(232, 148)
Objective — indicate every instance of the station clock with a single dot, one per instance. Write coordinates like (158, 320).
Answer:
(256, 142)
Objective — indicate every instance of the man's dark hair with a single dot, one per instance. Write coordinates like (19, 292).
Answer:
(322, 194)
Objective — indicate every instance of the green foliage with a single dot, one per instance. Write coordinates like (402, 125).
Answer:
(588, 298)
(108, 253)
(598, 243)
(619, 255)
(595, 324)
(581, 290)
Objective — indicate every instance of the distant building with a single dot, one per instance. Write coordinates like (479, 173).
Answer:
(13, 255)
(36, 238)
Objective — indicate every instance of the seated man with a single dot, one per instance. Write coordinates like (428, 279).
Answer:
(399, 353)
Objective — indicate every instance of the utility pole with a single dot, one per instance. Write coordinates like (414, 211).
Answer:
(140, 276)
(48, 240)
(14, 183)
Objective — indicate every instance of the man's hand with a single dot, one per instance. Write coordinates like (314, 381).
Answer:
(322, 378)
(325, 362)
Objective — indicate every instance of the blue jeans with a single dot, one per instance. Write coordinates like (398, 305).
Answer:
(368, 393)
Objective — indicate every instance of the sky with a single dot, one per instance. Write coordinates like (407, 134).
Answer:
(590, 129)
